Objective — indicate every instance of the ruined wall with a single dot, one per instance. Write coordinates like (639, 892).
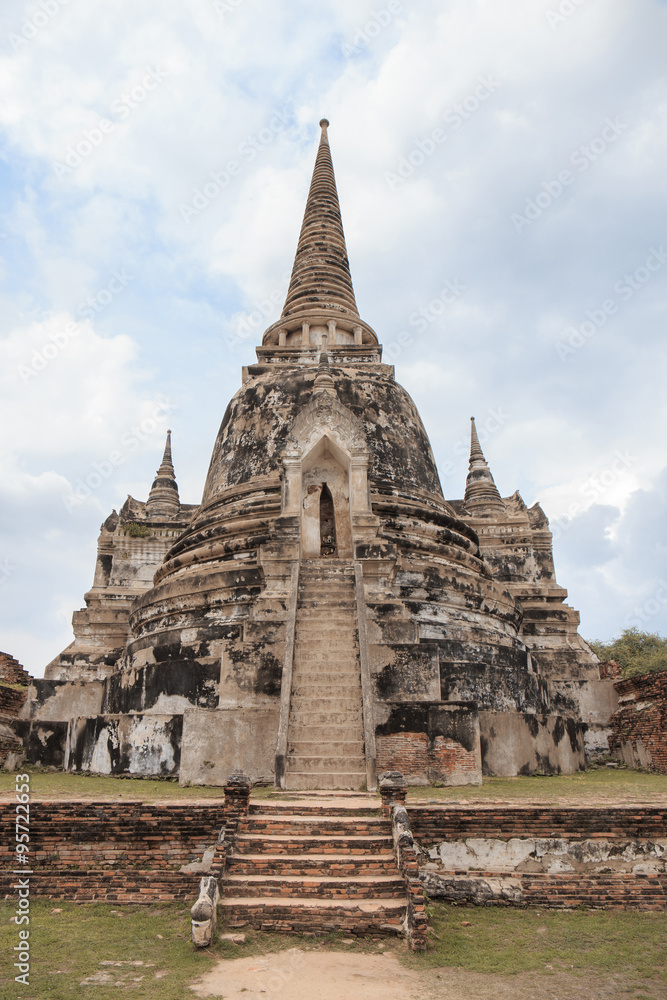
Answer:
(524, 743)
(143, 745)
(639, 727)
(559, 857)
(14, 681)
(216, 743)
(430, 744)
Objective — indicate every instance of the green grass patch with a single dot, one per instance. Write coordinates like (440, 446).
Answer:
(509, 941)
(604, 784)
(58, 784)
(73, 952)
(71, 947)
(598, 784)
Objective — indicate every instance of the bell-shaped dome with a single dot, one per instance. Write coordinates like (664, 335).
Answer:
(255, 429)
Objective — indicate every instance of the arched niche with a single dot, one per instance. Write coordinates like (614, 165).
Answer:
(325, 468)
(326, 446)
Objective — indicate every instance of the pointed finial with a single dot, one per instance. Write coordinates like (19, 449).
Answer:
(481, 495)
(321, 277)
(163, 499)
(475, 447)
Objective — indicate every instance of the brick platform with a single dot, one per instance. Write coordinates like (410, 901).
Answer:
(304, 866)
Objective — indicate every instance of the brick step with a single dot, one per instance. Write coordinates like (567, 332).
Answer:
(310, 748)
(263, 824)
(315, 667)
(333, 619)
(311, 688)
(340, 645)
(343, 719)
(379, 917)
(302, 887)
(362, 804)
(326, 765)
(325, 703)
(378, 863)
(331, 595)
(287, 843)
(303, 780)
(300, 732)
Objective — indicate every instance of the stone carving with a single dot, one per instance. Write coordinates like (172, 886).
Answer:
(204, 912)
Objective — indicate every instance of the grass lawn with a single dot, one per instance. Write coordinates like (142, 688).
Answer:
(596, 786)
(101, 950)
(510, 941)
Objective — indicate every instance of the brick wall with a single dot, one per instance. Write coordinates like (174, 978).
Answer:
(416, 756)
(11, 699)
(599, 891)
(96, 834)
(432, 824)
(639, 727)
(11, 670)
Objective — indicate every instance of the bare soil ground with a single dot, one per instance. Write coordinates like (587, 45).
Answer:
(330, 975)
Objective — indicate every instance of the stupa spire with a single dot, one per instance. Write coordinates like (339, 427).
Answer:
(163, 499)
(321, 278)
(481, 495)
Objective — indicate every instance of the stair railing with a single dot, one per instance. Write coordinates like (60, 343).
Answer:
(286, 682)
(366, 686)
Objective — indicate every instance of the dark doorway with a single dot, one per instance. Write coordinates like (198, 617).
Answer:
(327, 523)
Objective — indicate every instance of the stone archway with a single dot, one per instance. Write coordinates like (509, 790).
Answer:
(327, 447)
(325, 473)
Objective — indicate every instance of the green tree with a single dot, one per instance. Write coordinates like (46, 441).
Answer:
(635, 652)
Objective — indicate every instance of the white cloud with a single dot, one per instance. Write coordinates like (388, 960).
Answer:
(450, 218)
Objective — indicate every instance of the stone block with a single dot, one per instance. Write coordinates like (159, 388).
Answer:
(218, 741)
(521, 743)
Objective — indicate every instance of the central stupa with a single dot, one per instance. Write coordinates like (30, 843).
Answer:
(326, 613)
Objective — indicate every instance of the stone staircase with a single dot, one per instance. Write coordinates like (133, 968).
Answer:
(314, 868)
(325, 732)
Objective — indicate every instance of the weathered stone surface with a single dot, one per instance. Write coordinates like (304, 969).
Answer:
(521, 743)
(216, 742)
(125, 744)
(322, 466)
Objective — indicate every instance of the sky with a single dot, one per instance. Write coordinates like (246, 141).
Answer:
(500, 166)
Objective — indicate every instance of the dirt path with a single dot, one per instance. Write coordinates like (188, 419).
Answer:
(330, 975)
